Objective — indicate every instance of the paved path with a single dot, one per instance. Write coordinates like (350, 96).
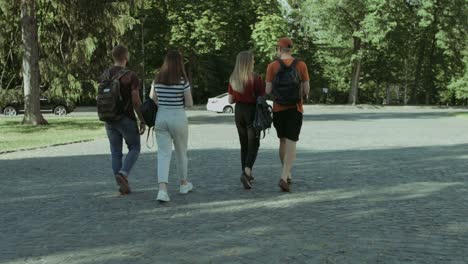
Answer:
(370, 186)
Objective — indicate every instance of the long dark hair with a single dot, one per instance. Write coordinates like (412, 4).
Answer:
(172, 71)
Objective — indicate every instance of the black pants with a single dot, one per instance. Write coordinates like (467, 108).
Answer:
(245, 114)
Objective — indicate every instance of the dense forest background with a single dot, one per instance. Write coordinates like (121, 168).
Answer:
(363, 51)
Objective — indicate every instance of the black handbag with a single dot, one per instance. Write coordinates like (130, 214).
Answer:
(148, 110)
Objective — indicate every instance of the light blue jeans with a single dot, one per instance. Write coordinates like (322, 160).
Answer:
(117, 131)
(171, 128)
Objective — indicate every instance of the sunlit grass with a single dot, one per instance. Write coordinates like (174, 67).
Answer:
(463, 115)
(15, 136)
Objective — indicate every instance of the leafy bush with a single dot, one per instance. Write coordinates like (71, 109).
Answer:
(9, 96)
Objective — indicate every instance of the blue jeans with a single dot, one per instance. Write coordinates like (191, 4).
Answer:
(117, 131)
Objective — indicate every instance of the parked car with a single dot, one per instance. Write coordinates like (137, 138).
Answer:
(57, 106)
(220, 104)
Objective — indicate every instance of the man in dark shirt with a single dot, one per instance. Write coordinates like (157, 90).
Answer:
(126, 128)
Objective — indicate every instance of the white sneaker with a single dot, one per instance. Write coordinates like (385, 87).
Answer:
(186, 188)
(162, 196)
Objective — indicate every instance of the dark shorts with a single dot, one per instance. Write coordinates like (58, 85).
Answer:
(288, 123)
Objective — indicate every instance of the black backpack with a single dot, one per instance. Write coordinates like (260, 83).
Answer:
(287, 84)
(263, 116)
(110, 104)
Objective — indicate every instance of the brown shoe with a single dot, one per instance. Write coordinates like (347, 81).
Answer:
(245, 181)
(122, 181)
(289, 181)
(283, 185)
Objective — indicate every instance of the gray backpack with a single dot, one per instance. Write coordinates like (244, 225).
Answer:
(110, 104)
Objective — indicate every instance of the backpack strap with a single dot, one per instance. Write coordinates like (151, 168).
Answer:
(294, 63)
(281, 62)
(120, 74)
(106, 76)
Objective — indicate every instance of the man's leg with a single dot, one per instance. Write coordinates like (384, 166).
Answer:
(132, 139)
(115, 142)
(289, 157)
(282, 150)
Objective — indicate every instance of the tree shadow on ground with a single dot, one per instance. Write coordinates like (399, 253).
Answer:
(361, 206)
(377, 115)
(311, 116)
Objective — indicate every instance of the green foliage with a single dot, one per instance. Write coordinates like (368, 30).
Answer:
(266, 33)
(9, 96)
(416, 45)
(459, 84)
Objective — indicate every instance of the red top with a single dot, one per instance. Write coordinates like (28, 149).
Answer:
(252, 89)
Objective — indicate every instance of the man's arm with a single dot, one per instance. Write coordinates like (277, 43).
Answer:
(136, 101)
(305, 86)
(268, 87)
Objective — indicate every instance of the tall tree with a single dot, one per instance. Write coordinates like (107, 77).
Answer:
(338, 24)
(31, 75)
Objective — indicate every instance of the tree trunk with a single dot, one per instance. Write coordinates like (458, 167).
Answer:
(356, 73)
(387, 90)
(32, 111)
(417, 78)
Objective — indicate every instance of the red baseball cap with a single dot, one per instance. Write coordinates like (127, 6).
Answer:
(285, 43)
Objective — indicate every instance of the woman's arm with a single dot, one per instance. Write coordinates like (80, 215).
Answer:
(188, 98)
(230, 98)
(153, 94)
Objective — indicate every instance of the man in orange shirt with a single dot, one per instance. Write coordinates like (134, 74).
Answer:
(287, 79)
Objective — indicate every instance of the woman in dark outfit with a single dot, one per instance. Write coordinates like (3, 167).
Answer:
(244, 87)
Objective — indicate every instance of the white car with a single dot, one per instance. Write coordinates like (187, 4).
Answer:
(220, 104)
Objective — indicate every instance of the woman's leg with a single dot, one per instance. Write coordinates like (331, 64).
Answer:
(253, 142)
(243, 134)
(179, 131)
(253, 146)
(164, 141)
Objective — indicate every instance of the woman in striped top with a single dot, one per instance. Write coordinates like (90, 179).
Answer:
(171, 92)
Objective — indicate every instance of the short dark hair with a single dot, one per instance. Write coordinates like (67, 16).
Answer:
(120, 53)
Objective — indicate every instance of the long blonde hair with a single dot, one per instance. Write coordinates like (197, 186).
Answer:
(243, 71)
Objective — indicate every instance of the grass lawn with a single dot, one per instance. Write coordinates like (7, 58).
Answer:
(15, 136)
(465, 115)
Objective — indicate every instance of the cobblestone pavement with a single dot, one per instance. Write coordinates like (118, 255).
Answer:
(370, 186)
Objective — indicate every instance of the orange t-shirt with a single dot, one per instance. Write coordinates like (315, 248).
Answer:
(274, 67)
